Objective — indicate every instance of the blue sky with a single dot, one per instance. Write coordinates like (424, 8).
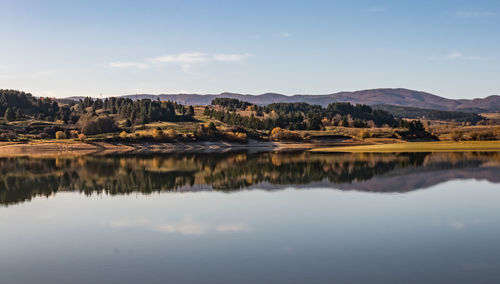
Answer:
(67, 48)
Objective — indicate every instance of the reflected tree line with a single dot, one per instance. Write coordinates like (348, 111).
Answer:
(21, 179)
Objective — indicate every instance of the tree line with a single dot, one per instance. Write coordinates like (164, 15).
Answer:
(432, 114)
(299, 116)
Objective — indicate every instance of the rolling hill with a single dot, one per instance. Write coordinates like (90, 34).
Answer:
(395, 97)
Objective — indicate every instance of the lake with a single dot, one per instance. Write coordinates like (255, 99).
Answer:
(251, 218)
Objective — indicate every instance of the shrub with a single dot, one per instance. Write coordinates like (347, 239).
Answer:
(363, 134)
(457, 135)
(171, 134)
(102, 124)
(236, 136)
(279, 133)
(50, 131)
(73, 134)
(158, 134)
(483, 135)
(207, 132)
(9, 135)
(60, 135)
(123, 135)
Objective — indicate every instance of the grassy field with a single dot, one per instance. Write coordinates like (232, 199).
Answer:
(493, 115)
(482, 146)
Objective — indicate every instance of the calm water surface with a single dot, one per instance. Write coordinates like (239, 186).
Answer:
(251, 218)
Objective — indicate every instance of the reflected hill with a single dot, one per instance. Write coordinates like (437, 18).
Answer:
(24, 178)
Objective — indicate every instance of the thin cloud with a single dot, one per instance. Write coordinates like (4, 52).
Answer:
(119, 64)
(187, 59)
(183, 58)
(284, 35)
(453, 55)
(232, 228)
(473, 14)
(231, 57)
(457, 55)
(199, 57)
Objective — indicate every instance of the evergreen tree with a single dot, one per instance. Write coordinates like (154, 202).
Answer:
(190, 111)
(9, 115)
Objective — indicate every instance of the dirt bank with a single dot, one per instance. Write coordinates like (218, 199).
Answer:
(74, 148)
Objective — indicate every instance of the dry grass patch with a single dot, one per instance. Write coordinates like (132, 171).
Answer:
(482, 146)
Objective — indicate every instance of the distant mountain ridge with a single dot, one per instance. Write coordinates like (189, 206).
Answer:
(397, 97)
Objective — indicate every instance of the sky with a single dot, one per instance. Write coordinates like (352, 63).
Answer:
(88, 48)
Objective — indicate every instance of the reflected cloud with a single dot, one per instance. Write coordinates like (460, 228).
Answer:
(457, 225)
(186, 227)
(232, 228)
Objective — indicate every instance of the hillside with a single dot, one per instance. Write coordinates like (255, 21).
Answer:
(397, 97)
(433, 114)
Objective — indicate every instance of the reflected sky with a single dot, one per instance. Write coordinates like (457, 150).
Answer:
(447, 233)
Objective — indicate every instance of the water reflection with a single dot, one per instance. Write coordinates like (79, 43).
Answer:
(24, 178)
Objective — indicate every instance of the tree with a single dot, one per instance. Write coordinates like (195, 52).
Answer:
(190, 111)
(127, 123)
(9, 115)
(18, 115)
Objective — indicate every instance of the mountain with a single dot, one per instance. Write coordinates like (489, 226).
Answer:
(396, 97)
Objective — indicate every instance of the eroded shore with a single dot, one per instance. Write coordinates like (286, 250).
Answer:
(75, 148)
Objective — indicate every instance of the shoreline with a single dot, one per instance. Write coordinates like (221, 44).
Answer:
(77, 148)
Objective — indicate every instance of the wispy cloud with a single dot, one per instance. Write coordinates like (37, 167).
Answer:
(120, 64)
(231, 57)
(198, 57)
(183, 58)
(232, 228)
(453, 55)
(188, 59)
(284, 34)
(457, 55)
(474, 14)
